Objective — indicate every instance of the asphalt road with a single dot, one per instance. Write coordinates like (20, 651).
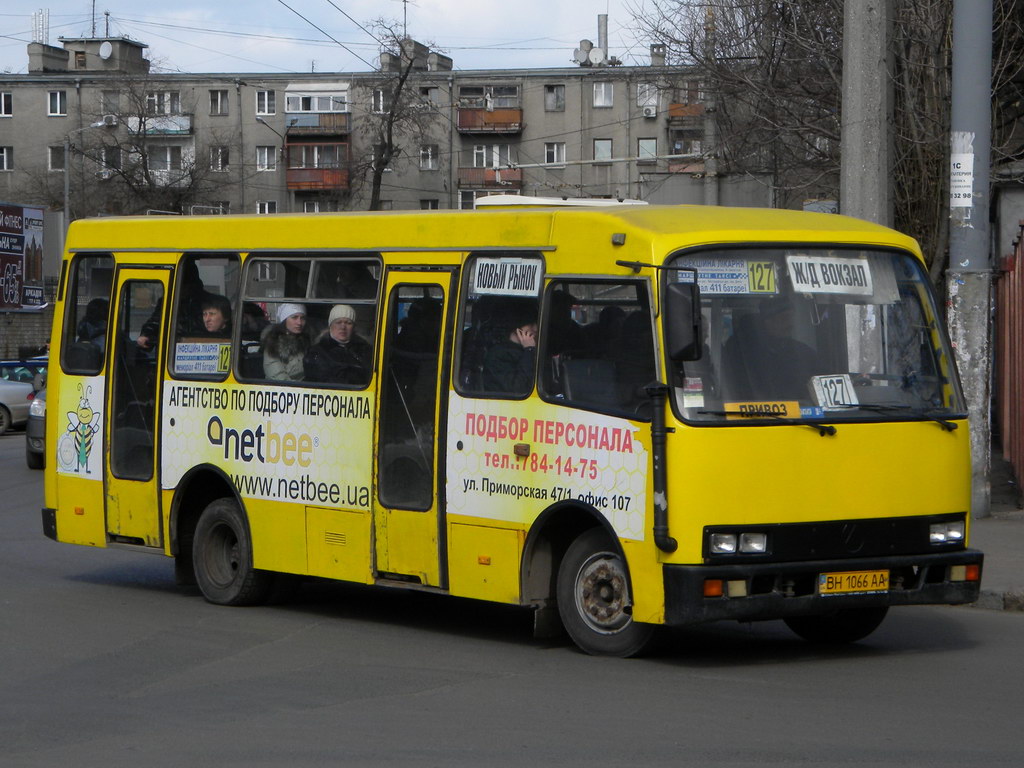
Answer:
(104, 662)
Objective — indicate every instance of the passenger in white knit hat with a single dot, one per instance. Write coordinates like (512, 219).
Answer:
(340, 355)
(285, 344)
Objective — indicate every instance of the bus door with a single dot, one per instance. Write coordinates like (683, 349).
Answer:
(132, 483)
(408, 510)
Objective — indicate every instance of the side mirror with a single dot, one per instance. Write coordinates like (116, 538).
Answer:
(682, 321)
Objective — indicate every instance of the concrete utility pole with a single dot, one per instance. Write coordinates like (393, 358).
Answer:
(867, 109)
(969, 279)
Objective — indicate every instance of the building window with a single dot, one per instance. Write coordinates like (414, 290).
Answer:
(602, 150)
(386, 205)
(266, 102)
(316, 155)
(163, 103)
(471, 96)
(320, 102)
(266, 158)
(505, 96)
(646, 150)
(56, 158)
(378, 158)
(6, 158)
(6, 104)
(266, 206)
(110, 157)
(554, 153)
(432, 204)
(58, 103)
(554, 98)
(165, 158)
(110, 102)
(491, 155)
(80, 60)
(686, 141)
(430, 96)
(218, 158)
(381, 101)
(603, 93)
(428, 157)
(218, 102)
(646, 95)
(311, 206)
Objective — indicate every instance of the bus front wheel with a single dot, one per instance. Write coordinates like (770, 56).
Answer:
(846, 626)
(594, 600)
(222, 557)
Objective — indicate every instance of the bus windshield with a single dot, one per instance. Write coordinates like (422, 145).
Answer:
(812, 333)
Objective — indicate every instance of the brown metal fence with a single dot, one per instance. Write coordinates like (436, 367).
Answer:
(1009, 355)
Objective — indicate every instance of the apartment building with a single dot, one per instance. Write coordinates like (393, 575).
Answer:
(93, 129)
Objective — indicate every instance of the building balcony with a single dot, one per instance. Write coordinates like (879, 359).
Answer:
(160, 125)
(490, 121)
(317, 179)
(491, 178)
(325, 124)
(679, 112)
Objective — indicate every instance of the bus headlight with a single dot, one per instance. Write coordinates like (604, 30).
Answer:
(754, 543)
(723, 543)
(946, 533)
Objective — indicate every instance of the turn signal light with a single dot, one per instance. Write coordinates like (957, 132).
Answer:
(713, 588)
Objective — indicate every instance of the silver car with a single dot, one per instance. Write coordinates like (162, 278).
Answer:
(17, 390)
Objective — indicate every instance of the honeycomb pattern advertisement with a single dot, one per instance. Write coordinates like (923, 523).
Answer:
(285, 444)
(564, 455)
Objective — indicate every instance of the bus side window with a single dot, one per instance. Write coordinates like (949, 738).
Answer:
(598, 345)
(205, 308)
(88, 314)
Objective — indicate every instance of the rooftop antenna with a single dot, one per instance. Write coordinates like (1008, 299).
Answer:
(107, 15)
(94, 18)
(41, 26)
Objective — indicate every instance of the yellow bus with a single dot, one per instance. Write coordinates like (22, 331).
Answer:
(623, 417)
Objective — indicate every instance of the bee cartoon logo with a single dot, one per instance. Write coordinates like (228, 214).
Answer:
(83, 423)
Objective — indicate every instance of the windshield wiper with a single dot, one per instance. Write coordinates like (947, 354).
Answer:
(823, 429)
(947, 425)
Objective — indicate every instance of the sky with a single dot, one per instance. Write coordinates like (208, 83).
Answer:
(328, 35)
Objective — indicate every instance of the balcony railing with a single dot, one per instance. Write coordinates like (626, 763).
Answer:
(483, 178)
(325, 124)
(490, 121)
(681, 111)
(317, 178)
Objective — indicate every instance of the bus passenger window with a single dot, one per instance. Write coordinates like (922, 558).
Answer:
(320, 316)
(498, 343)
(204, 297)
(598, 345)
(88, 302)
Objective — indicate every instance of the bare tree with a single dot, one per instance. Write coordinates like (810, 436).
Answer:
(775, 68)
(400, 119)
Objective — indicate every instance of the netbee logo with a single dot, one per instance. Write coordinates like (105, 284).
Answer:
(262, 444)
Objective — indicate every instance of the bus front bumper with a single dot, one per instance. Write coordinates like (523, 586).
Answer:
(755, 592)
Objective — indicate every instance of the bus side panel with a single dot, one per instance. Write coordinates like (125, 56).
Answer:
(80, 515)
(483, 562)
(338, 544)
(278, 535)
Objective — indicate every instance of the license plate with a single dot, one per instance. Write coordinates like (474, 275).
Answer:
(853, 582)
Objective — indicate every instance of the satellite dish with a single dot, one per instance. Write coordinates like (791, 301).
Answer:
(106, 50)
(597, 56)
(582, 54)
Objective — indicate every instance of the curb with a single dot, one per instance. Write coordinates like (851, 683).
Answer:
(991, 600)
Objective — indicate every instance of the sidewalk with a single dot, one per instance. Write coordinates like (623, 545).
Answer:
(1001, 537)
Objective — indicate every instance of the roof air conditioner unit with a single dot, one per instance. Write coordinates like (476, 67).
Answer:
(650, 111)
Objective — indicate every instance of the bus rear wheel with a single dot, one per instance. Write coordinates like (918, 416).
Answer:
(222, 557)
(846, 626)
(594, 599)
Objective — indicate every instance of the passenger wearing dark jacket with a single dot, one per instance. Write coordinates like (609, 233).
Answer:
(508, 365)
(340, 355)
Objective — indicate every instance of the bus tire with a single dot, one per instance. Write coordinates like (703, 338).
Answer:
(222, 557)
(594, 600)
(846, 626)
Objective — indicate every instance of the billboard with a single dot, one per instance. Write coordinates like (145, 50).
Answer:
(21, 256)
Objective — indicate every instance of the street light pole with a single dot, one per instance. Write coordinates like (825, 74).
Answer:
(67, 168)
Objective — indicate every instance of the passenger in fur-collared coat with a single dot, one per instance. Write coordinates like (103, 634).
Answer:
(285, 344)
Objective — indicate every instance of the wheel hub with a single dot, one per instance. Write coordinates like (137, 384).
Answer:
(602, 596)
